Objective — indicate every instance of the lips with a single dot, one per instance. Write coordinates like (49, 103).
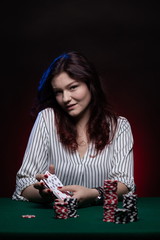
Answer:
(71, 106)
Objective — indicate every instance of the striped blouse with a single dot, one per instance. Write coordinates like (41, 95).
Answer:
(115, 161)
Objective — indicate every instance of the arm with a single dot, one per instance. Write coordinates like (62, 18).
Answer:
(123, 160)
(35, 161)
(121, 189)
(87, 196)
(37, 192)
(32, 194)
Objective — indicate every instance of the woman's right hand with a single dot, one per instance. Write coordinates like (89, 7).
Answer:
(45, 193)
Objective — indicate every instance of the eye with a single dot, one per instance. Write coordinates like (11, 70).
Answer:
(73, 87)
(57, 93)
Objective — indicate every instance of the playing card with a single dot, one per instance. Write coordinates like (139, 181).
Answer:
(53, 182)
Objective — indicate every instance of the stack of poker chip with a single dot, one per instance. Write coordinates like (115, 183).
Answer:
(129, 212)
(130, 203)
(72, 205)
(66, 208)
(61, 210)
(121, 215)
(110, 200)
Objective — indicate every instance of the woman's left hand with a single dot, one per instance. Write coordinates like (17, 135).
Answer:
(84, 195)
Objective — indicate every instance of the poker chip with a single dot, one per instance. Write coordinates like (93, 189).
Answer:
(127, 214)
(28, 216)
(121, 216)
(130, 203)
(66, 208)
(110, 200)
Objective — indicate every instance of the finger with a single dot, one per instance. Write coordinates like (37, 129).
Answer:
(52, 169)
(39, 177)
(70, 188)
(75, 195)
(47, 193)
(39, 185)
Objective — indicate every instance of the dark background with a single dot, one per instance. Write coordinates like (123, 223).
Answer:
(120, 37)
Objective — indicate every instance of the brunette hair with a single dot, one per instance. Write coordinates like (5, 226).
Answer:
(103, 120)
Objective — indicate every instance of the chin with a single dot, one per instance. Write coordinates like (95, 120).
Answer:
(74, 114)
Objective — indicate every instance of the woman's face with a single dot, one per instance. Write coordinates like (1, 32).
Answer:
(72, 95)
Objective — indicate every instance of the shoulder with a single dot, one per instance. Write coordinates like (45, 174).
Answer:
(123, 124)
(123, 121)
(47, 114)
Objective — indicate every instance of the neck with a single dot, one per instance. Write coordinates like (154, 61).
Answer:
(82, 136)
(82, 121)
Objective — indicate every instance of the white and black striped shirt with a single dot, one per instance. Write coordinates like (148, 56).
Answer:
(115, 161)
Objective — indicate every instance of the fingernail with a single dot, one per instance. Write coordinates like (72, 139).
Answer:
(42, 184)
(45, 175)
(59, 187)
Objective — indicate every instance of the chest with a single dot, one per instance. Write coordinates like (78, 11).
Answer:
(82, 149)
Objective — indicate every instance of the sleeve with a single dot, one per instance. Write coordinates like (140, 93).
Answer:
(35, 157)
(123, 159)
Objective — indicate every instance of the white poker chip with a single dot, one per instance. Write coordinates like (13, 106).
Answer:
(28, 216)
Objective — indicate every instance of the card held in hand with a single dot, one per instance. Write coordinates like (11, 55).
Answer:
(52, 182)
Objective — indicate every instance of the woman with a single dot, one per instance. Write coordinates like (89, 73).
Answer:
(76, 135)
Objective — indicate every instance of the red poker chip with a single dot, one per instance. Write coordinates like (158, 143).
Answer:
(28, 216)
(61, 217)
(108, 220)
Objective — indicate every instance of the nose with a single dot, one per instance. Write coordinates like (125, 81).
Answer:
(66, 97)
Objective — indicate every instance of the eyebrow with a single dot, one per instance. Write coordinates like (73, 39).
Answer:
(68, 85)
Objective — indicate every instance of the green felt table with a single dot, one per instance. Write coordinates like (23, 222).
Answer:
(89, 224)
